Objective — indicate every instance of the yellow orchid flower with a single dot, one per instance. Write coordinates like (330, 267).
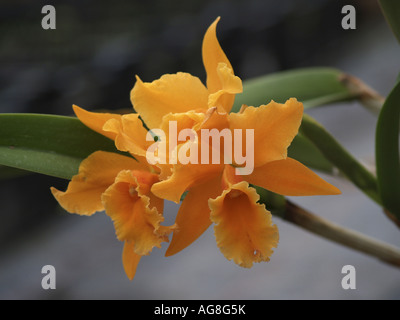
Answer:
(121, 186)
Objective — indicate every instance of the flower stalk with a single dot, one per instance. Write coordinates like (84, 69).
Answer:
(368, 97)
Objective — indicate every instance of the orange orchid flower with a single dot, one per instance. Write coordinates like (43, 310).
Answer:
(243, 228)
(215, 193)
(121, 186)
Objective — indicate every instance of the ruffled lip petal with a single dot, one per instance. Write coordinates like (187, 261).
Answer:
(128, 204)
(243, 228)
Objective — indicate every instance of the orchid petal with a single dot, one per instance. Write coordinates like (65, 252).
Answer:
(96, 120)
(290, 178)
(275, 125)
(135, 219)
(193, 217)
(96, 173)
(172, 93)
(130, 259)
(243, 227)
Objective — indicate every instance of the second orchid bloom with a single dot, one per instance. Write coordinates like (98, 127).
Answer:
(132, 190)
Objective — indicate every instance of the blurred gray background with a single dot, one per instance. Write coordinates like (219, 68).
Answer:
(91, 60)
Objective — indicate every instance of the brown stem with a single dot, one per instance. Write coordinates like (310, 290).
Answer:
(346, 237)
(372, 100)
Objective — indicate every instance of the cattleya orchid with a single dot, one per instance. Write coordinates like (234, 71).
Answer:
(131, 191)
(120, 185)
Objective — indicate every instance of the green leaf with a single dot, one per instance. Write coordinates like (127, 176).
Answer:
(11, 173)
(273, 202)
(303, 150)
(391, 11)
(47, 144)
(340, 157)
(312, 86)
(387, 152)
(52, 164)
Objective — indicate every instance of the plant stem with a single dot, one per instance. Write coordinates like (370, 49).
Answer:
(369, 98)
(338, 234)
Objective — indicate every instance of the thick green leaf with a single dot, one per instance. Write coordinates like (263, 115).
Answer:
(47, 144)
(391, 11)
(273, 202)
(52, 164)
(312, 86)
(340, 157)
(11, 173)
(387, 152)
(303, 150)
